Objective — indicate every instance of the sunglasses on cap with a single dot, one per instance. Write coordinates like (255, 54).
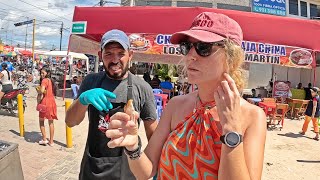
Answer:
(203, 49)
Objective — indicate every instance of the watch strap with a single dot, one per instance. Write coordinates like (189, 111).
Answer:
(135, 154)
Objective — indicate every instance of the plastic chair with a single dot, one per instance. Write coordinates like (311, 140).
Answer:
(278, 115)
(158, 101)
(157, 91)
(268, 100)
(167, 91)
(299, 111)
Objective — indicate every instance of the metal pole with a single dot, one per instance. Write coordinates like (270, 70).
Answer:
(131, 2)
(25, 41)
(11, 36)
(61, 34)
(33, 36)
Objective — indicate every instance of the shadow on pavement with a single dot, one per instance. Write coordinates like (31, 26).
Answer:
(293, 135)
(35, 137)
(308, 161)
(6, 113)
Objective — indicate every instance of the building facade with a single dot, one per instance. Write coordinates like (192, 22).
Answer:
(307, 9)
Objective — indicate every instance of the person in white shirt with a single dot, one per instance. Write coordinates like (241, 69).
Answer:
(5, 77)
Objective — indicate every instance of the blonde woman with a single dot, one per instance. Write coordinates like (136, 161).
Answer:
(211, 133)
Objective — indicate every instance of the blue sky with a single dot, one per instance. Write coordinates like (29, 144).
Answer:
(47, 33)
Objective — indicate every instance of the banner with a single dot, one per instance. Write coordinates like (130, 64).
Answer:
(153, 44)
(274, 7)
(7, 49)
(277, 54)
(281, 89)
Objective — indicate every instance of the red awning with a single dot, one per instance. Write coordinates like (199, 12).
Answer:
(25, 52)
(167, 20)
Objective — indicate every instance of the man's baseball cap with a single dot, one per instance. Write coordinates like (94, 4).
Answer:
(115, 35)
(211, 27)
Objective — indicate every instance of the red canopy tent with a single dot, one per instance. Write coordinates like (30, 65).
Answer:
(256, 27)
(25, 52)
(167, 20)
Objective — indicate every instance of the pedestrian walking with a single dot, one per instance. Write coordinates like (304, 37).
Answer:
(46, 105)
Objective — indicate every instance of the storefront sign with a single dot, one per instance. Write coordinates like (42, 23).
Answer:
(281, 89)
(79, 27)
(275, 7)
(277, 54)
(153, 44)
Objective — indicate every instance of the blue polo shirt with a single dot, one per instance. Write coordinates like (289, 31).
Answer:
(166, 85)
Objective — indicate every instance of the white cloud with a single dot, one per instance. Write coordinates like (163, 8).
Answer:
(47, 31)
(37, 43)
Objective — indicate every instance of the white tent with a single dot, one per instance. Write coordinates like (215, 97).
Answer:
(64, 54)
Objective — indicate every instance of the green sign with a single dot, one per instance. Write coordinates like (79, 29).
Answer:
(79, 27)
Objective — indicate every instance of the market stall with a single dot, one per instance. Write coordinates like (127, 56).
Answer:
(272, 43)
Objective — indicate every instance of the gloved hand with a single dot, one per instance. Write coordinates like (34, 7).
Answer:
(97, 97)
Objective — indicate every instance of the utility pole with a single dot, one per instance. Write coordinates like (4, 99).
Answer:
(33, 36)
(61, 34)
(25, 40)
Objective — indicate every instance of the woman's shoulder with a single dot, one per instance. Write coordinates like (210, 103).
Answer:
(252, 114)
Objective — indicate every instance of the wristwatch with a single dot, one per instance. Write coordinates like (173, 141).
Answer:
(135, 154)
(231, 139)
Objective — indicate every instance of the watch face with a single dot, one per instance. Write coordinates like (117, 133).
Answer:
(232, 139)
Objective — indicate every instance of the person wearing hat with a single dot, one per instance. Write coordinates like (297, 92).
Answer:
(211, 133)
(312, 113)
(104, 94)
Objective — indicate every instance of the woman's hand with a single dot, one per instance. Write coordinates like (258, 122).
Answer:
(123, 131)
(227, 99)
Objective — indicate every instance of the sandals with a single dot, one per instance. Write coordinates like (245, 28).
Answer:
(302, 133)
(316, 138)
(43, 142)
(51, 145)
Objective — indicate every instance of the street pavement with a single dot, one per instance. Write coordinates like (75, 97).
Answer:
(45, 162)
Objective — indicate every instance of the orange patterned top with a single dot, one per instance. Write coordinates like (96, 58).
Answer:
(193, 149)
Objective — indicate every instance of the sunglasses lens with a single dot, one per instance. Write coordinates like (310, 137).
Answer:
(203, 49)
(185, 48)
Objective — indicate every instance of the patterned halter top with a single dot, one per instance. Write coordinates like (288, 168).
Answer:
(193, 149)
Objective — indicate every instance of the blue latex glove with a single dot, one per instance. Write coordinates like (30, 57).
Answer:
(97, 97)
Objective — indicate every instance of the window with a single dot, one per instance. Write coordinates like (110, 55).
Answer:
(293, 7)
(233, 7)
(303, 9)
(193, 4)
(153, 3)
(314, 11)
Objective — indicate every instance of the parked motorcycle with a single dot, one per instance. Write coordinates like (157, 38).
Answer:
(9, 101)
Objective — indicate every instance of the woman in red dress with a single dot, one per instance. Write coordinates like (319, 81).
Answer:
(48, 104)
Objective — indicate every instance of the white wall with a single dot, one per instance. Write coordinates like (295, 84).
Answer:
(259, 75)
(281, 72)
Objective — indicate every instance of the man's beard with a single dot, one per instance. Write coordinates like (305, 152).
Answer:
(116, 76)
